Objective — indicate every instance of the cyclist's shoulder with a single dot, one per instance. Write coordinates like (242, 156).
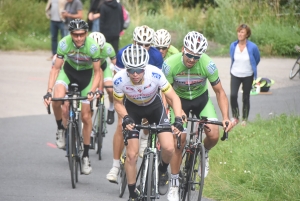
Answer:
(65, 43)
(108, 48)
(120, 77)
(154, 53)
(173, 50)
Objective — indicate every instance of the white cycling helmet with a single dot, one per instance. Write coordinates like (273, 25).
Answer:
(135, 56)
(195, 42)
(143, 34)
(99, 38)
(162, 38)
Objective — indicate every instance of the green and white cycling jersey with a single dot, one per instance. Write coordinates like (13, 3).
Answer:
(78, 63)
(190, 83)
(79, 58)
(172, 50)
(107, 52)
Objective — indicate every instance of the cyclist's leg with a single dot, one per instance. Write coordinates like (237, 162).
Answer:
(156, 113)
(177, 157)
(118, 146)
(212, 134)
(87, 125)
(60, 89)
(107, 74)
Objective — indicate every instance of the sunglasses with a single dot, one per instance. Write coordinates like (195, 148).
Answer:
(81, 35)
(135, 70)
(191, 56)
(143, 45)
(161, 48)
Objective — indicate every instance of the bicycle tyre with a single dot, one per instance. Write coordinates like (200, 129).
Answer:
(184, 175)
(143, 183)
(99, 130)
(295, 69)
(150, 180)
(72, 153)
(196, 182)
(122, 176)
(79, 151)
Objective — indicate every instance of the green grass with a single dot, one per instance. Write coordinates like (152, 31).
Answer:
(273, 33)
(259, 162)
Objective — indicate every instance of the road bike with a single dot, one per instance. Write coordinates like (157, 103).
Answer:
(148, 171)
(192, 170)
(74, 142)
(122, 173)
(296, 67)
(99, 127)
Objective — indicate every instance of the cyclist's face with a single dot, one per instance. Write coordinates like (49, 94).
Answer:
(146, 46)
(163, 50)
(136, 77)
(189, 58)
(79, 37)
(242, 34)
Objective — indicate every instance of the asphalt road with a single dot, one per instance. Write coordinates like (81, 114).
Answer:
(32, 168)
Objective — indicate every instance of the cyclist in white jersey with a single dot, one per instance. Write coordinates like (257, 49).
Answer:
(136, 96)
(142, 36)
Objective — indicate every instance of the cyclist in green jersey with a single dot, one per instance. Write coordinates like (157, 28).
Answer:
(106, 51)
(162, 42)
(78, 61)
(189, 72)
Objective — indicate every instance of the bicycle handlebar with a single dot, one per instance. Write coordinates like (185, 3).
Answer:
(65, 99)
(152, 127)
(206, 121)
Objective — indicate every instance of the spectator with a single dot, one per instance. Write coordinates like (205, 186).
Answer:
(245, 57)
(111, 22)
(73, 10)
(54, 9)
(94, 15)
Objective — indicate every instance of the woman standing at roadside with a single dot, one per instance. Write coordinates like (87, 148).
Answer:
(245, 57)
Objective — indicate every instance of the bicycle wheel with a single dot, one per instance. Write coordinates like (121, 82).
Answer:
(99, 130)
(72, 154)
(295, 69)
(196, 180)
(150, 179)
(184, 176)
(79, 151)
(122, 175)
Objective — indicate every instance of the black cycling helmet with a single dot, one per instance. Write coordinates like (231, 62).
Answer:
(78, 24)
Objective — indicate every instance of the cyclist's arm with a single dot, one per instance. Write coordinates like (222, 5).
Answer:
(119, 107)
(98, 75)
(223, 103)
(173, 100)
(114, 61)
(54, 73)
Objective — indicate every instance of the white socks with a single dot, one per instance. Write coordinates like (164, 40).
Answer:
(116, 163)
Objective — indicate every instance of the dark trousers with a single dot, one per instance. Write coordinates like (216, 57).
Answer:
(234, 89)
(54, 28)
(114, 41)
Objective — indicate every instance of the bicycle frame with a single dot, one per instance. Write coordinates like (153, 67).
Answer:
(150, 155)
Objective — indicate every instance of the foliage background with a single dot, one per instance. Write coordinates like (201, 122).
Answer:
(274, 24)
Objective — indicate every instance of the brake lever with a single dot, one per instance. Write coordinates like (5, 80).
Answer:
(225, 134)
